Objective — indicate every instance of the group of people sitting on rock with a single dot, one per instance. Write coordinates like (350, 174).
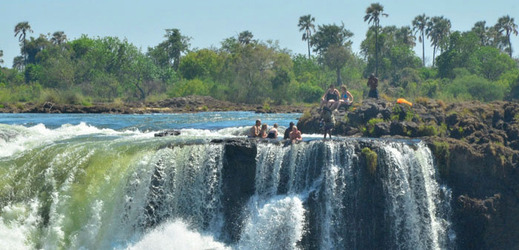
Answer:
(260, 130)
(333, 99)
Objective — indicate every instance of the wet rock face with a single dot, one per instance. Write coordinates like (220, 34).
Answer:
(238, 175)
(476, 148)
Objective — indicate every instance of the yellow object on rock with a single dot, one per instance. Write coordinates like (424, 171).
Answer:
(402, 100)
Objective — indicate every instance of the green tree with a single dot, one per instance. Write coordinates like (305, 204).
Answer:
(438, 30)
(490, 63)
(507, 25)
(335, 58)
(168, 52)
(201, 64)
(21, 30)
(373, 13)
(328, 35)
(33, 47)
(58, 37)
(245, 37)
(395, 50)
(461, 47)
(1, 55)
(420, 25)
(306, 24)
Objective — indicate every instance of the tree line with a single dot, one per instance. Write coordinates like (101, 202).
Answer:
(470, 65)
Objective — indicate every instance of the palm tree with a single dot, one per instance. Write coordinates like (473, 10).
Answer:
(419, 25)
(58, 37)
(438, 30)
(21, 30)
(506, 24)
(405, 35)
(306, 24)
(373, 13)
(481, 30)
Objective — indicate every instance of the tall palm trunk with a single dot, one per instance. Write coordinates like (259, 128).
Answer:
(434, 54)
(509, 43)
(376, 49)
(308, 42)
(423, 48)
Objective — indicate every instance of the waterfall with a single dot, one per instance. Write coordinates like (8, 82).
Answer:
(145, 193)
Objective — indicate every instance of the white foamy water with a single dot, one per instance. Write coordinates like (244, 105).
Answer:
(176, 235)
(276, 224)
(16, 138)
(87, 187)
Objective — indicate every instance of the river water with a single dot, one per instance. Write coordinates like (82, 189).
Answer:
(103, 181)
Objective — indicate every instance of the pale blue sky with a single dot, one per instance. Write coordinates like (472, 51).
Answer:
(210, 22)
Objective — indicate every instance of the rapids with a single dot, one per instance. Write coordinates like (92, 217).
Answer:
(91, 185)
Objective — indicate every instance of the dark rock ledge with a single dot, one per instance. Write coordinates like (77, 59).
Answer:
(476, 149)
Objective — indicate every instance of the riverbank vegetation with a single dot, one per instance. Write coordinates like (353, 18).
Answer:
(476, 64)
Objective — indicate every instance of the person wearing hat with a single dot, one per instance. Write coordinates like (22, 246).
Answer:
(288, 130)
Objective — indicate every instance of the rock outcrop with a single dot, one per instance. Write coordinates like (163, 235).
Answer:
(476, 148)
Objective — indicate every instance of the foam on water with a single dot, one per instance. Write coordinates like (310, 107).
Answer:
(176, 235)
(276, 224)
(16, 138)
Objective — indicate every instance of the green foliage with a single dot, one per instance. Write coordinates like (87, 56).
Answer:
(328, 35)
(189, 87)
(370, 126)
(370, 157)
(471, 66)
(402, 113)
(19, 93)
(201, 64)
(476, 88)
(441, 152)
(427, 130)
(309, 93)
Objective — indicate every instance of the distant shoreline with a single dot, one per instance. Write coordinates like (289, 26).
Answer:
(189, 104)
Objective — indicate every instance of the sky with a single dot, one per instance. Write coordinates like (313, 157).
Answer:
(209, 22)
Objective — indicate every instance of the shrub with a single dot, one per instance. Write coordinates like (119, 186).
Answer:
(441, 152)
(310, 93)
(371, 159)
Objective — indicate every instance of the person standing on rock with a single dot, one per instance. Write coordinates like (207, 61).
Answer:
(254, 132)
(373, 84)
(327, 121)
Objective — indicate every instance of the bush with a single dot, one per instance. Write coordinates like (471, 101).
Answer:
(371, 160)
(475, 88)
(310, 93)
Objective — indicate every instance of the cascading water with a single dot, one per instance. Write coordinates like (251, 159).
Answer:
(100, 192)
